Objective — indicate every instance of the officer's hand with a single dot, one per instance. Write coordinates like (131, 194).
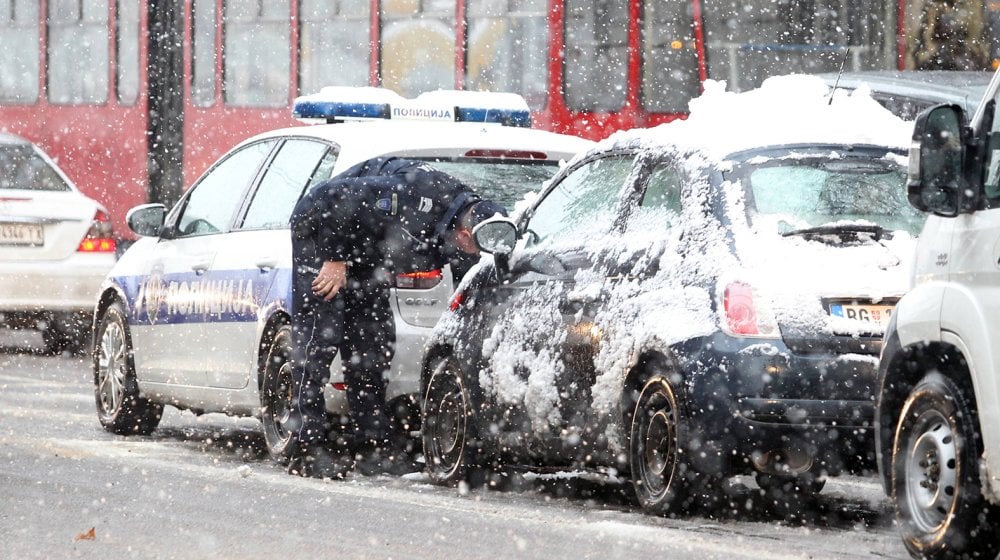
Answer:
(331, 278)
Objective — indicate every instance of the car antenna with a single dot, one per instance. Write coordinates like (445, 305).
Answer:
(843, 61)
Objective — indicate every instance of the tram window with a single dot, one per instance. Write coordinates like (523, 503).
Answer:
(203, 53)
(19, 36)
(285, 179)
(669, 56)
(508, 48)
(127, 66)
(78, 58)
(257, 53)
(334, 44)
(595, 70)
(418, 46)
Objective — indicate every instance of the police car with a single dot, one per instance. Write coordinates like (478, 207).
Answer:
(196, 313)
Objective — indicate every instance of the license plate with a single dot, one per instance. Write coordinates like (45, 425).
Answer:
(29, 235)
(878, 314)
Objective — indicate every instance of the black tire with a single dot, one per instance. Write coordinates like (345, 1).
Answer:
(446, 426)
(940, 508)
(656, 436)
(120, 407)
(276, 396)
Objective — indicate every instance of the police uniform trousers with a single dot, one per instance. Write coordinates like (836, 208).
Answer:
(357, 323)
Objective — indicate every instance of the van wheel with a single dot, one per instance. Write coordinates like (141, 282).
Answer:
(120, 408)
(276, 395)
(446, 425)
(935, 474)
(659, 474)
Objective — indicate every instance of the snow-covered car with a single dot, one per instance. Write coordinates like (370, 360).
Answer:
(694, 301)
(196, 312)
(938, 413)
(56, 246)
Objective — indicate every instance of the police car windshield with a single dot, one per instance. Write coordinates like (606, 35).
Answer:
(502, 180)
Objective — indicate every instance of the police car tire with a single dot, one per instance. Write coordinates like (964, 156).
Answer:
(447, 428)
(660, 478)
(275, 396)
(940, 508)
(121, 408)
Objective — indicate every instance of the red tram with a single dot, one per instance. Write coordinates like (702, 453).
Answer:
(136, 98)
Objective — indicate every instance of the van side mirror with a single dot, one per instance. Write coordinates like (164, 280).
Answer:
(935, 179)
(146, 220)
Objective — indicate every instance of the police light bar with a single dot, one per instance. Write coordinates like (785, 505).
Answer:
(337, 104)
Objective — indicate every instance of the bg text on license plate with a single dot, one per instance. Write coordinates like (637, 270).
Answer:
(871, 313)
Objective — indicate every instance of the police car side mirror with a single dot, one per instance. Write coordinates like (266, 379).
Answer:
(146, 220)
(935, 180)
(496, 236)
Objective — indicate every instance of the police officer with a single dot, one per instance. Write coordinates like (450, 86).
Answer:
(382, 216)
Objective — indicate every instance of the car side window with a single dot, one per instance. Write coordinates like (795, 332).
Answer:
(583, 203)
(215, 199)
(283, 183)
(663, 191)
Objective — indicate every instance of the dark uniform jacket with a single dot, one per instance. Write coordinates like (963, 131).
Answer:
(384, 212)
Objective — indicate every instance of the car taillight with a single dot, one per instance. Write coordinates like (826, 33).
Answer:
(100, 237)
(419, 280)
(744, 316)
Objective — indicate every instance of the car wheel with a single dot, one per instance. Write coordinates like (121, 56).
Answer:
(659, 476)
(120, 407)
(935, 475)
(276, 395)
(446, 425)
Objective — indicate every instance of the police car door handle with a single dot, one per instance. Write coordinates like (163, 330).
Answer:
(267, 264)
(200, 267)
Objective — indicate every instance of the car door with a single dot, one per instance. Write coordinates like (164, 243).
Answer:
(539, 350)
(250, 258)
(172, 309)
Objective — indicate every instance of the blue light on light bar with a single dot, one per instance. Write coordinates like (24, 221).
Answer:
(318, 109)
(336, 104)
(506, 117)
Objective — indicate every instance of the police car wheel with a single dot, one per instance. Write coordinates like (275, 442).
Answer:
(121, 409)
(659, 476)
(276, 395)
(446, 425)
(935, 474)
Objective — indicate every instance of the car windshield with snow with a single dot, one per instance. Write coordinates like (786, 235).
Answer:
(196, 313)
(686, 303)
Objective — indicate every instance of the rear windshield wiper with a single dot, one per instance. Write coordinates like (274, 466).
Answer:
(844, 231)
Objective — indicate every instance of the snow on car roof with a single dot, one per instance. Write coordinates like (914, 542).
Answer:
(793, 109)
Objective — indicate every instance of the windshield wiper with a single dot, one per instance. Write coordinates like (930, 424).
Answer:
(844, 231)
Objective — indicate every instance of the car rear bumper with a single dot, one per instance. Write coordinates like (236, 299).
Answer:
(759, 397)
(68, 285)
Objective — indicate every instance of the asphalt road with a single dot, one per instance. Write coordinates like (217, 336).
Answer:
(202, 487)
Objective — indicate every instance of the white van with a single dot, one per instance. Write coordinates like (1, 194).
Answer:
(938, 410)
